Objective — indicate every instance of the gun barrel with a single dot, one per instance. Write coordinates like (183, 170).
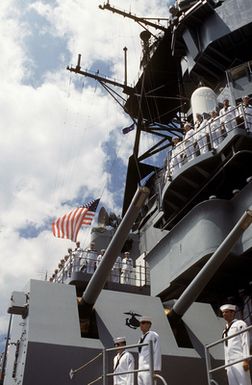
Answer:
(100, 276)
(192, 292)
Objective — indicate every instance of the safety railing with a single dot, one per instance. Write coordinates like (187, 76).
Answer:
(105, 376)
(138, 275)
(208, 137)
(210, 370)
(73, 372)
(112, 374)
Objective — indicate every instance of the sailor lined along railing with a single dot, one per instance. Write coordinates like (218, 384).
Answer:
(106, 375)
(207, 137)
(137, 276)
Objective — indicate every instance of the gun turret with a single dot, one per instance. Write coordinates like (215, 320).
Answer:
(192, 292)
(100, 276)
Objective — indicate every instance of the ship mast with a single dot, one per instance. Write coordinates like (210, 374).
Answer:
(140, 20)
(163, 132)
(100, 79)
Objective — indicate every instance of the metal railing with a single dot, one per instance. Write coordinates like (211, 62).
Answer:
(73, 372)
(138, 275)
(208, 137)
(150, 370)
(104, 377)
(210, 371)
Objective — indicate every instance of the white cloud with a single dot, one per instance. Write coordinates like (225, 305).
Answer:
(52, 136)
(101, 35)
(12, 50)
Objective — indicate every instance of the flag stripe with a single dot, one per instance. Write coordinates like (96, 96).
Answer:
(78, 222)
(63, 220)
(75, 216)
(70, 223)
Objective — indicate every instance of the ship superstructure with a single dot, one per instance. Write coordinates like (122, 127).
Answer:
(179, 223)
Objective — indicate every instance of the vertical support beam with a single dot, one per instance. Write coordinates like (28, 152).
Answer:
(125, 66)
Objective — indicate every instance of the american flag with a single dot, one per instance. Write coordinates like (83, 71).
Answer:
(69, 225)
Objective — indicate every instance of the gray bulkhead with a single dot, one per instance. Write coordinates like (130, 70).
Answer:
(52, 343)
(231, 16)
(197, 236)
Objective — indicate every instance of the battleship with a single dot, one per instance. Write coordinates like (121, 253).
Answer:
(186, 215)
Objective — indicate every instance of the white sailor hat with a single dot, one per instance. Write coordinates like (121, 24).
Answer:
(118, 340)
(145, 319)
(228, 307)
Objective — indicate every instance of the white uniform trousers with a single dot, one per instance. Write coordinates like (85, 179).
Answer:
(144, 378)
(237, 375)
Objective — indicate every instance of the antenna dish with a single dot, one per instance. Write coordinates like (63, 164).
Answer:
(103, 217)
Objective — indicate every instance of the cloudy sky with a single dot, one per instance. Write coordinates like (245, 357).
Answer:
(61, 142)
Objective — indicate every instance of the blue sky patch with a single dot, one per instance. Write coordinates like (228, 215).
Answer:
(47, 53)
(32, 230)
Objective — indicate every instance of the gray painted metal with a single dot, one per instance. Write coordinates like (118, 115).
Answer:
(98, 280)
(231, 16)
(51, 343)
(49, 338)
(197, 236)
(192, 292)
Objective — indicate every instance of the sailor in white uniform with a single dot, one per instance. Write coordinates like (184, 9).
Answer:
(201, 135)
(70, 256)
(99, 258)
(215, 129)
(245, 110)
(236, 348)
(77, 254)
(116, 270)
(228, 116)
(177, 155)
(127, 268)
(189, 142)
(91, 257)
(148, 335)
(123, 362)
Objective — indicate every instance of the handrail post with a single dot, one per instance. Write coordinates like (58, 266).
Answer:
(210, 136)
(151, 362)
(208, 365)
(244, 117)
(104, 378)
